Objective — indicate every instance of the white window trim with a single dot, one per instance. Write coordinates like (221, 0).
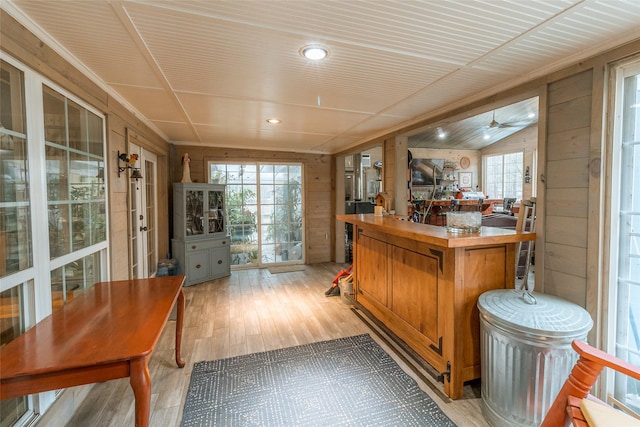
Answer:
(37, 291)
(608, 315)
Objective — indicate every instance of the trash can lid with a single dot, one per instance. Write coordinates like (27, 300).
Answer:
(540, 315)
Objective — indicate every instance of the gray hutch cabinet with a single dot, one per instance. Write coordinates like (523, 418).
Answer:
(200, 239)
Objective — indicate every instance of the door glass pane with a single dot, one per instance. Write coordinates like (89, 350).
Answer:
(628, 278)
(194, 212)
(242, 211)
(55, 129)
(134, 216)
(264, 211)
(216, 211)
(73, 278)
(15, 217)
(74, 157)
(150, 216)
(76, 125)
(280, 207)
(11, 326)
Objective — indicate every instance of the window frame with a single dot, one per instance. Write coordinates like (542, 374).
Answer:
(485, 178)
(610, 236)
(35, 281)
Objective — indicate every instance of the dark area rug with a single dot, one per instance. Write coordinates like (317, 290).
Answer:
(344, 382)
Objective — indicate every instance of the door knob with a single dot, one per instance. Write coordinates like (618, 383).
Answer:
(143, 228)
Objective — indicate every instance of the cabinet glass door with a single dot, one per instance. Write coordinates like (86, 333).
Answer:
(216, 211)
(194, 207)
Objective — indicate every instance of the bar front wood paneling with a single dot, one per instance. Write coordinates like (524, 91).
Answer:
(423, 283)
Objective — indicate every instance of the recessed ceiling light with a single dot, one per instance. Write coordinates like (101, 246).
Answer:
(441, 133)
(486, 136)
(314, 53)
(531, 115)
(274, 121)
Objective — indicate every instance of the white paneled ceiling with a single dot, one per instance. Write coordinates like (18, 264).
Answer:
(212, 72)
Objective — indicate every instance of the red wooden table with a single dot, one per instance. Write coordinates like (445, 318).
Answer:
(107, 332)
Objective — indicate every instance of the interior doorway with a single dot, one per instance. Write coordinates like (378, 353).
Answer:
(143, 213)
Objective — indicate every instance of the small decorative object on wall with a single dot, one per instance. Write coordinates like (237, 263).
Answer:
(465, 162)
(186, 168)
(465, 179)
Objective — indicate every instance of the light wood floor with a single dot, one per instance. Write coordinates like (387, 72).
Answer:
(252, 311)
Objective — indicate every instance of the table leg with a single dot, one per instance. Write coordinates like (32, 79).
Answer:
(140, 381)
(179, 320)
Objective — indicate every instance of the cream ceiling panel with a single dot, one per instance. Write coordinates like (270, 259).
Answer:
(231, 59)
(260, 139)
(452, 89)
(155, 104)
(233, 113)
(455, 32)
(223, 68)
(178, 131)
(92, 32)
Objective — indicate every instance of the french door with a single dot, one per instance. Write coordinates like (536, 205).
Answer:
(625, 235)
(143, 215)
(264, 212)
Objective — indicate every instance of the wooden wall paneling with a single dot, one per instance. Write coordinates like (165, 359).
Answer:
(570, 107)
(401, 180)
(119, 238)
(565, 286)
(568, 173)
(541, 188)
(568, 144)
(567, 202)
(572, 114)
(566, 259)
(597, 151)
(562, 230)
(340, 253)
(571, 88)
(388, 168)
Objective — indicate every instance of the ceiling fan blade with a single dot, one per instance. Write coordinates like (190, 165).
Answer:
(493, 123)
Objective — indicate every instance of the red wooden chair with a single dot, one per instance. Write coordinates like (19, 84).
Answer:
(566, 408)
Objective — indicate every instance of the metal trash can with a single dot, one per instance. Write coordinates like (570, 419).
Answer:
(526, 353)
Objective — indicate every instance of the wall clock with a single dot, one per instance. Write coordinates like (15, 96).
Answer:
(465, 162)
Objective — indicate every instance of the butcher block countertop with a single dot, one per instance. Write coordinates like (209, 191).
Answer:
(435, 234)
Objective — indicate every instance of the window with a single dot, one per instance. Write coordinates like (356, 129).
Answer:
(76, 204)
(503, 175)
(15, 219)
(625, 241)
(52, 192)
(264, 211)
(75, 175)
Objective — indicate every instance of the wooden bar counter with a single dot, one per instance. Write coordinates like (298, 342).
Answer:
(423, 283)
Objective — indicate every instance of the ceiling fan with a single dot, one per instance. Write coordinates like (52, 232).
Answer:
(497, 125)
